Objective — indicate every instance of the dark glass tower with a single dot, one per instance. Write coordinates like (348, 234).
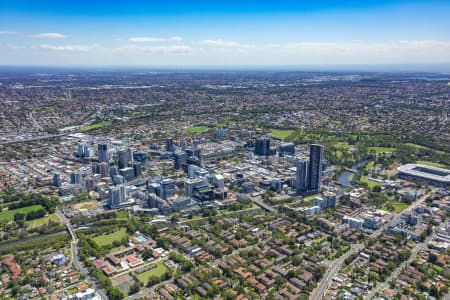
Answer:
(315, 167)
(103, 153)
(262, 146)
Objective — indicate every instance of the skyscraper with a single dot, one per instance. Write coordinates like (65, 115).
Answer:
(262, 146)
(103, 153)
(301, 177)
(124, 158)
(117, 196)
(169, 145)
(75, 177)
(180, 158)
(167, 188)
(315, 167)
(57, 180)
(83, 151)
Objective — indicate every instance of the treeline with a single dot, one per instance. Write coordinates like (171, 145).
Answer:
(24, 200)
(41, 243)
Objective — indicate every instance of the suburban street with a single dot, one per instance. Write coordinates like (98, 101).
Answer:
(334, 267)
(75, 256)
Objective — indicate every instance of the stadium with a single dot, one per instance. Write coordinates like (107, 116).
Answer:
(432, 175)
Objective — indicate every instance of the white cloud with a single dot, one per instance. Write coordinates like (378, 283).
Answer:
(149, 39)
(220, 43)
(49, 35)
(157, 49)
(7, 32)
(71, 48)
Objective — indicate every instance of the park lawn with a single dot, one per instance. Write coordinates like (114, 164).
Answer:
(8, 215)
(427, 148)
(430, 163)
(370, 183)
(371, 164)
(42, 221)
(382, 149)
(281, 134)
(196, 129)
(108, 239)
(95, 126)
(158, 271)
(399, 207)
(121, 214)
(343, 146)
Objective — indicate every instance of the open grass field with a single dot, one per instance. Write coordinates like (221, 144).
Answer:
(281, 134)
(121, 214)
(381, 149)
(42, 221)
(369, 165)
(196, 129)
(95, 126)
(108, 239)
(432, 164)
(158, 271)
(8, 215)
(86, 205)
(426, 148)
(371, 184)
(397, 206)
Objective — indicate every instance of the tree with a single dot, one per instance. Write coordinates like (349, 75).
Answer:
(19, 217)
(134, 288)
(432, 258)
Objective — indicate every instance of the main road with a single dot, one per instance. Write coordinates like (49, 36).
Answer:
(318, 292)
(75, 256)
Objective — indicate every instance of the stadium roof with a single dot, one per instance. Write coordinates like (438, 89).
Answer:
(426, 172)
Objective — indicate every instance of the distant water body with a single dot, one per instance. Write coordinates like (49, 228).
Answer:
(432, 78)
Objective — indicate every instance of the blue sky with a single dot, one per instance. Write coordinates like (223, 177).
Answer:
(223, 33)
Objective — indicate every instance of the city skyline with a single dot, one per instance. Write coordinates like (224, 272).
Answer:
(201, 34)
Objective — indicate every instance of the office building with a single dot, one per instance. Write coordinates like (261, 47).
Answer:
(103, 155)
(190, 184)
(301, 177)
(315, 167)
(169, 145)
(113, 171)
(221, 132)
(286, 149)
(180, 159)
(276, 184)
(75, 178)
(167, 188)
(83, 151)
(57, 180)
(137, 167)
(140, 156)
(330, 199)
(127, 173)
(124, 158)
(262, 146)
(219, 182)
(118, 179)
(117, 196)
(354, 223)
